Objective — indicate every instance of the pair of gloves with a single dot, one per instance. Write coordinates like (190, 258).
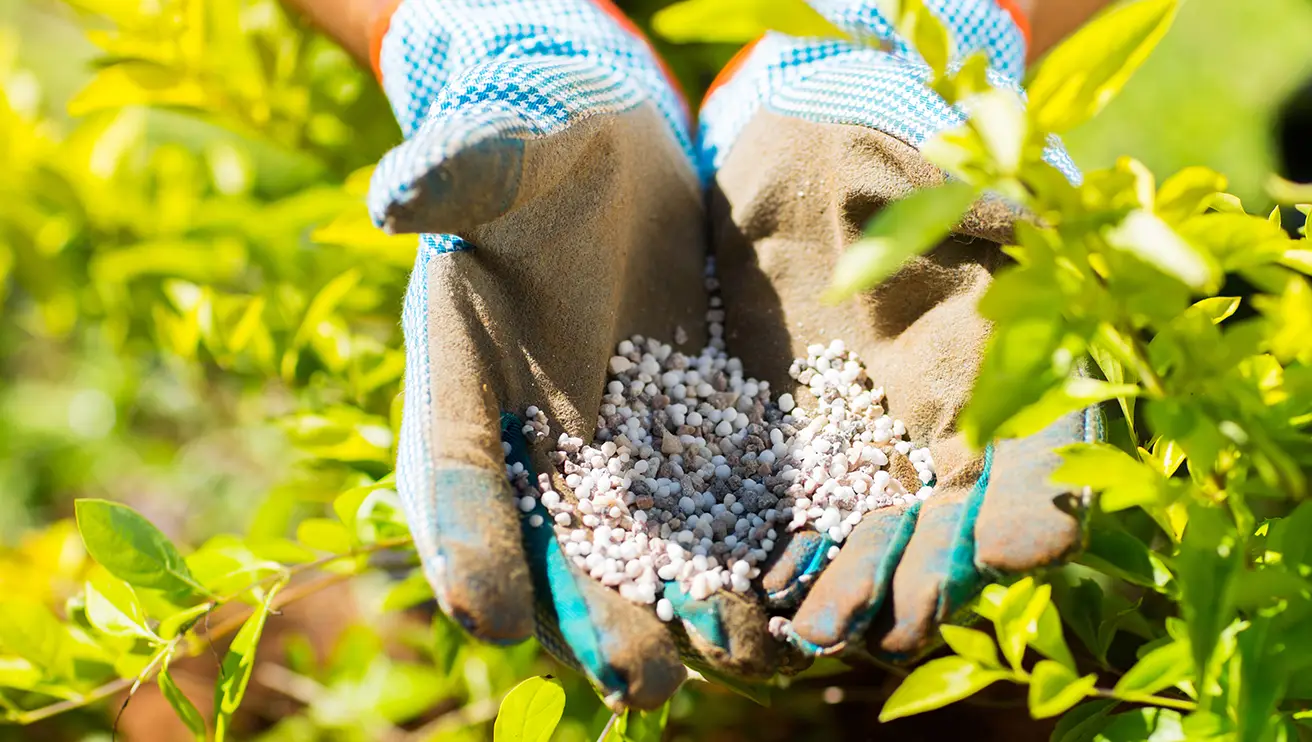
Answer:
(563, 205)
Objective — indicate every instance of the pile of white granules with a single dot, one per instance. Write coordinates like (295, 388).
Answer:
(695, 471)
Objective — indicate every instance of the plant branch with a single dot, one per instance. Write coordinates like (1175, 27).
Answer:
(1144, 698)
(224, 628)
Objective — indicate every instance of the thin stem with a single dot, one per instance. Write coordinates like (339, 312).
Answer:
(227, 626)
(605, 731)
(1144, 698)
(1147, 374)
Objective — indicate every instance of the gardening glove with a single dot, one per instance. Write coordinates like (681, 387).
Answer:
(548, 167)
(805, 141)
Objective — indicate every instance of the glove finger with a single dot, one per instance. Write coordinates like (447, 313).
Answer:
(1026, 521)
(452, 481)
(793, 566)
(937, 575)
(850, 592)
(621, 646)
(728, 631)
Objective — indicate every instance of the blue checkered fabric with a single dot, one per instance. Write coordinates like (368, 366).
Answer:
(836, 82)
(974, 25)
(461, 73)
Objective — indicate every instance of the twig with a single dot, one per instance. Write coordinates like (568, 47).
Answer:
(605, 731)
(1146, 699)
(227, 626)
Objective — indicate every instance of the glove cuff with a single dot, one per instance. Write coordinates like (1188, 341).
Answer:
(380, 19)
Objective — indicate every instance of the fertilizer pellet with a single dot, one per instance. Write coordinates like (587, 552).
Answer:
(695, 471)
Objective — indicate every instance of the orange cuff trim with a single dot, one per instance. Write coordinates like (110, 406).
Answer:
(378, 25)
(731, 68)
(1017, 15)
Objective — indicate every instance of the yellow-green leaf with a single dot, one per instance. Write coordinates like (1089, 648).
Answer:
(1087, 70)
(902, 230)
(113, 609)
(530, 711)
(238, 664)
(131, 548)
(1076, 393)
(936, 684)
(739, 21)
(1054, 689)
(185, 709)
(1144, 235)
(137, 83)
(975, 646)
(1161, 668)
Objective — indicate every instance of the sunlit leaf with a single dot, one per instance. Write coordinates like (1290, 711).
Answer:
(113, 609)
(1082, 75)
(531, 711)
(182, 705)
(902, 230)
(132, 549)
(1161, 668)
(237, 666)
(973, 645)
(136, 83)
(1054, 689)
(1152, 240)
(937, 683)
(739, 21)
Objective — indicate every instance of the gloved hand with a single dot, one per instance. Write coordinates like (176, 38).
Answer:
(548, 166)
(806, 140)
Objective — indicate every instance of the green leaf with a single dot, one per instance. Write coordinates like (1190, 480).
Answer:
(238, 663)
(137, 83)
(1209, 561)
(1017, 619)
(1081, 723)
(1054, 688)
(131, 548)
(936, 684)
(1076, 393)
(530, 712)
(642, 726)
(28, 629)
(1143, 725)
(1217, 308)
(1118, 553)
(1161, 668)
(182, 705)
(975, 646)
(409, 592)
(914, 21)
(113, 609)
(1048, 639)
(759, 693)
(1123, 481)
(183, 620)
(324, 535)
(1088, 69)
(739, 21)
(902, 230)
(447, 642)
(1144, 235)
(1188, 193)
(998, 117)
